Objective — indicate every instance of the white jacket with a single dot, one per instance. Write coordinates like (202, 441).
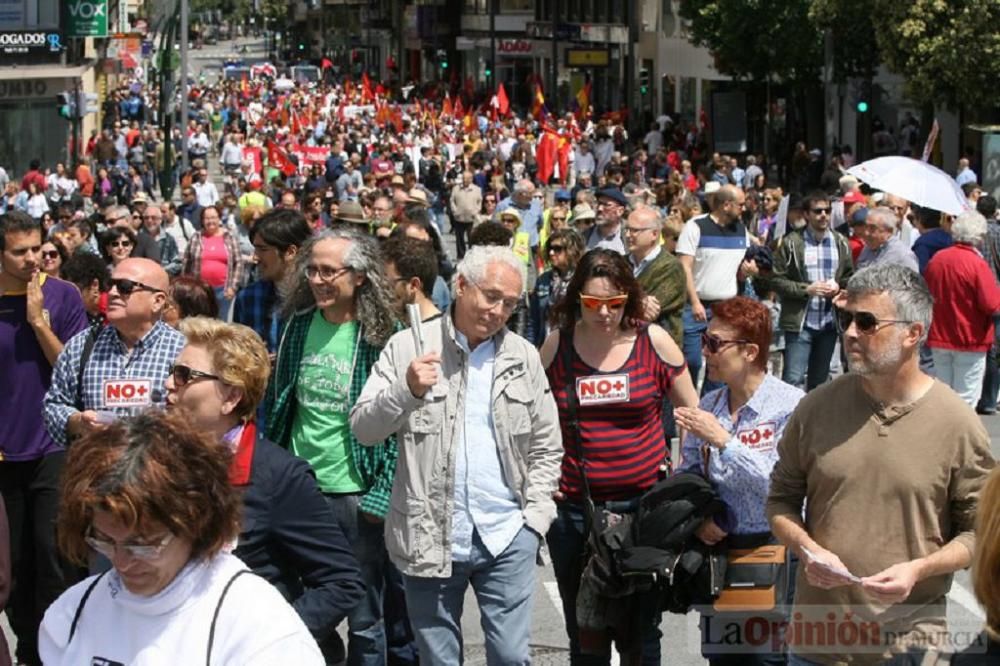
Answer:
(255, 626)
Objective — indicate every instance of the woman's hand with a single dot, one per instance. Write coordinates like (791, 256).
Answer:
(703, 425)
(709, 532)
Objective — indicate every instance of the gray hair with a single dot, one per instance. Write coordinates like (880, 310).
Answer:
(479, 257)
(524, 186)
(883, 217)
(908, 291)
(651, 214)
(969, 228)
(372, 300)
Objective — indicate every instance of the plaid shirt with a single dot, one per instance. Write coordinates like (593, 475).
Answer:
(150, 359)
(234, 272)
(375, 464)
(256, 306)
(821, 258)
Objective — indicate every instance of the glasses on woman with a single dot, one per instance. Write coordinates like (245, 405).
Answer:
(126, 244)
(866, 322)
(50, 254)
(556, 249)
(713, 344)
(611, 302)
(184, 375)
(140, 551)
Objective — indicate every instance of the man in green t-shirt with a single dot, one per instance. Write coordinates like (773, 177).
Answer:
(339, 318)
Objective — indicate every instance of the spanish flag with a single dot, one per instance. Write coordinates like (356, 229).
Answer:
(538, 106)
(583, 102)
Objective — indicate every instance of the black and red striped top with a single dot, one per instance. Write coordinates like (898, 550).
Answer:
(619, 416)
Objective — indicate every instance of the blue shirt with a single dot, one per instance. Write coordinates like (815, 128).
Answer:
(531, 217)
(115, 380)
(741, 473)
(483, 501)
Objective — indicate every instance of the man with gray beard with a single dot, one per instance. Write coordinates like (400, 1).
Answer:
(884, 455)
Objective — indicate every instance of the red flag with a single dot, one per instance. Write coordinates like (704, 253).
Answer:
(278, 158)
(545, 157)
(348, 89)
(469, 121)
(326, 64)
(459, 109)
(367, 94)
(397, 119)
(446, 107)
(563, 159)
(538, 106)
(503, 103)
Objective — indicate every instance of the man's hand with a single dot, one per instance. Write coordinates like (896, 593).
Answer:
(698, 311)
(893, 585)
(371, 518)
(84, 422)
(709, 532)
(703, 425)
(35, 302)
(822, 289)
(821, 576)
(422, 373)
(650, 308)
(749, 268)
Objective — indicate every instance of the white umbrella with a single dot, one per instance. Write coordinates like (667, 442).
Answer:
(914, 180)
(284, 84)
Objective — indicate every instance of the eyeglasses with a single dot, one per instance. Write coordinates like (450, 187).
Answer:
(493, 298)
(112, 220)
(325, 273)
(607, 202)
(560, 218)
(140, 551)
(713, 344)
(184, 375)
(125, 286)
(866, 322)
(120, 244)
(595, 302)
(637, 230)
(50, 254)
(556, 249)
(819, 211)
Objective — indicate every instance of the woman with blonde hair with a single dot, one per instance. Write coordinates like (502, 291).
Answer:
(770, 200)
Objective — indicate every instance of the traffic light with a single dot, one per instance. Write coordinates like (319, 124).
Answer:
(643, 82)
(442, 57)
(489, 69)
(862, 106)
(66, 104)
(302, 45)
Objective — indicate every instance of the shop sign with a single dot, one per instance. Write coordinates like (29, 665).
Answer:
(87, 18)
(30, 41)
(20, 88)
(515, 47)
(587, 57)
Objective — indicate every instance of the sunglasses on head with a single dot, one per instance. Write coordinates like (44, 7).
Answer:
(184, 375)
(595, 302)
(865, 322)
(713, 344)
(125, 286)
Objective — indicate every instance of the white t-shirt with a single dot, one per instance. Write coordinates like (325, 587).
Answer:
(718, 253)
(255, 626)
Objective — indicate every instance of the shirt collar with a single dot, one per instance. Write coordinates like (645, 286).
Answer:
(653, 254)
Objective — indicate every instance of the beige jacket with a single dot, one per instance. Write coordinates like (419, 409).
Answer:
(466, 202)
(526, 423)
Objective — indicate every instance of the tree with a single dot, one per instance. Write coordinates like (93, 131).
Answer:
(855, 49)
(757, 39)
(947, 50)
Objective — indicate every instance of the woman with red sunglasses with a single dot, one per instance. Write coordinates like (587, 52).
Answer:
(610, 373)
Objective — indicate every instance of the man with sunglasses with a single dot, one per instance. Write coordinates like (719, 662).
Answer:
(811, 266)
(877, 480)
(38, 315)
(119, 369)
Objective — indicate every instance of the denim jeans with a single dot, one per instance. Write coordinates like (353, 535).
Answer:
(991, 378)
(807, 357)
(365, 627)
(961, 370)
(224, 303)
(566, 539)
(692, 342)
(504, 586)
(401, 645)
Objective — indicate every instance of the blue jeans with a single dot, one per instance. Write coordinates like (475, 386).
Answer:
(366, 630)
(566, 540)
(991, 379)
(504, 586)
(224, 303)
(807, 357)
(692, 347)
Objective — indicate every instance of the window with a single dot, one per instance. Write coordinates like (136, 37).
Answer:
(510, 6)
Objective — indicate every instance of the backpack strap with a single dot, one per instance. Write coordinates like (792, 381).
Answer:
(215, 616)
(79, 607)
(88, 350)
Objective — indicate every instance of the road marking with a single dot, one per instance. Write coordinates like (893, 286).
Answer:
(964, 598)
(552, 590)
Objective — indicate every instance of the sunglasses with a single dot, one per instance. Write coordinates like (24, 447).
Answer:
(558, 219)
(125, 286)
(183, 375)
(819, 211)
(865, 322)
(50, 254)
(713, 344)
(595, 302)
(556, 248)
(120, 243)
(108, 548)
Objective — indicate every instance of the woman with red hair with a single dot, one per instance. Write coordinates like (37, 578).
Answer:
(732, 436)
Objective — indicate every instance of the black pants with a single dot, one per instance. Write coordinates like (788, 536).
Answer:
(461, 232)
(31, 492)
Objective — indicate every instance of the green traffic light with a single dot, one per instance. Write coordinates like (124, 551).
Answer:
(444, 65)
(643, 90)
(862, 107)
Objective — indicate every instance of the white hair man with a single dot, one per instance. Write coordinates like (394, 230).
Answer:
(882, 243)
(479, 455)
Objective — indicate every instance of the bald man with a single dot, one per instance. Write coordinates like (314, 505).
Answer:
(108, 372)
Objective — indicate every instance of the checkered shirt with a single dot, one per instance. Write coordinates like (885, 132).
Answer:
(819, 312)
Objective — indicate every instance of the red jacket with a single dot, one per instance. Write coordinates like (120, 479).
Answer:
(966, 296)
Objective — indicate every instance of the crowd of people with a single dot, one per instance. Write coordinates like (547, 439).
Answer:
(238, 420)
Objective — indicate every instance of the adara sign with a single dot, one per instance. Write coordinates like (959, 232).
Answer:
(87, 18)
(30, 41)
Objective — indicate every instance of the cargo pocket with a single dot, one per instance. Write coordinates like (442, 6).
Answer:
(409, 532)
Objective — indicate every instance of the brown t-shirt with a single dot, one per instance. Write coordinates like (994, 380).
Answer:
(878, 487)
